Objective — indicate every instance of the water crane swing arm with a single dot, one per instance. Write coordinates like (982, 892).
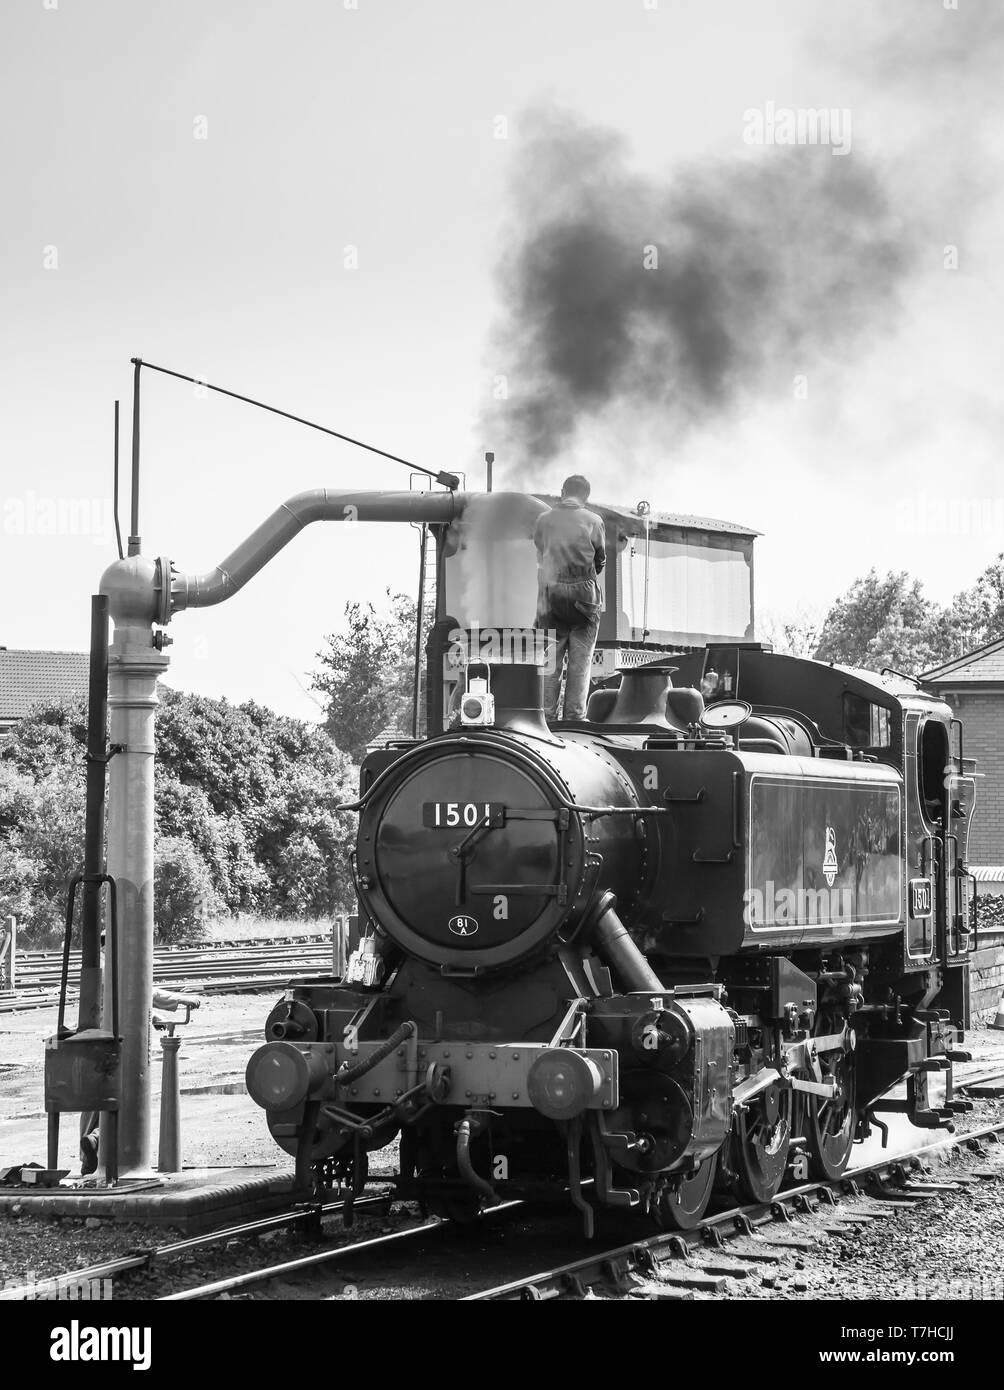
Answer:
(177, 590)
(447, 480)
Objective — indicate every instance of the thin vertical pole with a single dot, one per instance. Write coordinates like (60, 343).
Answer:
(8, 944)
(134, 536)
(115, 475)
(94, 817)
(419, 624)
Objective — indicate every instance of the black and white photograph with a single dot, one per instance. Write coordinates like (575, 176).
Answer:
(501, 673)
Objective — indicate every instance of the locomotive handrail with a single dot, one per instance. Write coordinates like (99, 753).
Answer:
(592, 811)
(927, 855)
(672, 800)
(961, 759)
(903, 675)
(370, 790)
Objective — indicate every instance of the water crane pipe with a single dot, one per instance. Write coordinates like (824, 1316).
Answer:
(231, 574)
(143, 592)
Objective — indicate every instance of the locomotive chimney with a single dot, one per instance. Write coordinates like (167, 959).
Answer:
(519, 702)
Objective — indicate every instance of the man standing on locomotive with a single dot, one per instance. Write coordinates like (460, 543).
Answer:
(571, 554)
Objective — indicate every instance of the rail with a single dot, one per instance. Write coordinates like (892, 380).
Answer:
(613, 1269)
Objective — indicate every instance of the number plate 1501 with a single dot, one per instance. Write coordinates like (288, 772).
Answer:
(447, 815)
(921, 897)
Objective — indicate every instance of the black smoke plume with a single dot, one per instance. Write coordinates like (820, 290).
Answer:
(767, 265)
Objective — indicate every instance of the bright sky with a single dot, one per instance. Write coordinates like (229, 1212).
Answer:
(326, 126)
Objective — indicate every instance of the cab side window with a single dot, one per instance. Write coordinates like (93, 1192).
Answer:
(866, 724)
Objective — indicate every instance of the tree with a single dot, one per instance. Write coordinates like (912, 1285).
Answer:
(977, 614)
(41, 844)
(367, 674)
(889, 622)
(244, 784)
(52, 738)
(886, 622)
(246, 814)
(794, 636)
(183, 896)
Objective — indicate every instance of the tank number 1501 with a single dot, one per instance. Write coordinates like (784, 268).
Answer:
(447, 814)
(921, 897)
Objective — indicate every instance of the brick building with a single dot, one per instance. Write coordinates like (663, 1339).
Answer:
(974, 686)
(32, 678)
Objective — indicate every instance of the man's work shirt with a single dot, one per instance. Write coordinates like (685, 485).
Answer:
(570, 543)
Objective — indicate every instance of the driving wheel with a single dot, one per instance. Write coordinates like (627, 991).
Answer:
(761, 1138)
(682, 1201)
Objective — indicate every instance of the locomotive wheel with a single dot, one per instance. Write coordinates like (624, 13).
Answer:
(681, 1204)
(760, 1141)
(830, 1123)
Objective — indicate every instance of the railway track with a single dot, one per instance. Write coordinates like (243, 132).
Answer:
(731, 1244)
(413, 1236)
(415, 1239)
(726, 1245)
(984, 1084)
(227, 968)
(307, 1218)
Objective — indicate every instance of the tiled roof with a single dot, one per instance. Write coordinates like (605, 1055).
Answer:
(388, 734)
(29, 678)
(983, 664)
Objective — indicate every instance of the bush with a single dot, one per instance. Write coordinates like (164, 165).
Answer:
(246, 815)
(16, 882)
(183, 896)
(41, 848)
(255, 792)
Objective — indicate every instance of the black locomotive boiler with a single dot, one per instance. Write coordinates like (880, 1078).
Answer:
(691, 940)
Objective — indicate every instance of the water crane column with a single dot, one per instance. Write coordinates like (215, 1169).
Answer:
(135, 664)
(142, 594)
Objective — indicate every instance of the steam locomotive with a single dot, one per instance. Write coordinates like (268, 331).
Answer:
(690, 941)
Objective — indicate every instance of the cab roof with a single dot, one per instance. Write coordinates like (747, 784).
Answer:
(680, 520)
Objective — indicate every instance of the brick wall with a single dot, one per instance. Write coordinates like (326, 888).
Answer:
(986, 975)
(982, 715)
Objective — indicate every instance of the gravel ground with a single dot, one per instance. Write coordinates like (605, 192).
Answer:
(946, 1247)
(221, 1125)
(955, 1238)
(33, 1249)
